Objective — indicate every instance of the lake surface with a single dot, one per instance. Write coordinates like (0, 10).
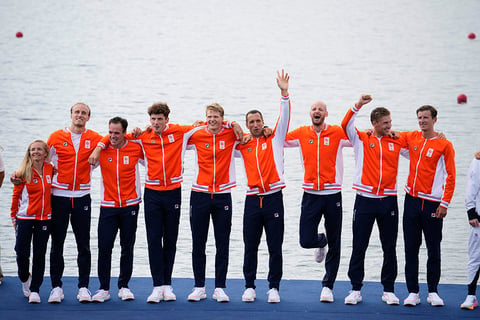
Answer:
(121, 56)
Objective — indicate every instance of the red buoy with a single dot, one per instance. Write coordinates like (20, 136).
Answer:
(462, 98)
(19, 34)
(472, 36)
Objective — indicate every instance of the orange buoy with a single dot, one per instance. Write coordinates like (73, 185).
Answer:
(19, 34)
(472, 36)
(462, 98)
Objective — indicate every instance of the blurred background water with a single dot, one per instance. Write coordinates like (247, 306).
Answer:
(121, 56)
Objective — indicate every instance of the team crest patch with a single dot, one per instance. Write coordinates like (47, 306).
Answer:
(326, 141)
(171, 138)
(433, 214)
(310, 141)
(249, 149)
(391, 146)
(264, 146)
(372, 145)
(415, 148)
(222, 144)
(276, 215)
(134, 212)
(126, 159)
(65, 144)
(177, 206)
(337, 204)
(35, 180)
(44, 228)
(49, 180)
(110, 160)
(392, 213)
(87, 144)
(85, 208)
(226, 208)
(152, 141)
(207, 145)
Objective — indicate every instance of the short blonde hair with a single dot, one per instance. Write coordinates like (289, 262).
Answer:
(215, 107)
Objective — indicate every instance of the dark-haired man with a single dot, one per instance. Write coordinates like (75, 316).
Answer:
(120, 199)
(429, 188)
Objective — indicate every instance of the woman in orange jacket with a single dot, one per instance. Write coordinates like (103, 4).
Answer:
(31, 212)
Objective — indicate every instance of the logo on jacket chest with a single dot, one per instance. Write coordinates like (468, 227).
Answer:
(391, 146)
(430, 152)
(171, 138)
(264, 146)
(49, 179)
(87, 144)
(126, 159)
(222, 144)
(326, 141)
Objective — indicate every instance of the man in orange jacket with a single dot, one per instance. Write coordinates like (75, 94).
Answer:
(263, 158)
(376, 167)
(429, 188)
(120, 199)
(321, 146)
(71, 202)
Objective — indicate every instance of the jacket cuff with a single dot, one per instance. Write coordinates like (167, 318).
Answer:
(472, 214)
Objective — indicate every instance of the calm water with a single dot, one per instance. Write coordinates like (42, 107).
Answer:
(120, 56)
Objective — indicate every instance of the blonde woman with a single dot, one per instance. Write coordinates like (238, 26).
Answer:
(30, 214)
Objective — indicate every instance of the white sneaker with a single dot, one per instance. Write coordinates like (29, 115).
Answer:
(125, 294)
(84, 295)
(168, 294)
(354, 297)
(220, 295)
(412, 300)
(198, 293)
(470, 302)
(390, 298)
(156, 296)
(273, 296)
(434, 299)
(56, 295)
(326, 295)
(33, 297)
(26, 286)
(249, 295)
(101, 296)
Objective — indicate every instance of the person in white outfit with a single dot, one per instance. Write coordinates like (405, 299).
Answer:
(472, 204)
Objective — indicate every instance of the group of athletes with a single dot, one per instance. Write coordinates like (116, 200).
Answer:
(52, 189)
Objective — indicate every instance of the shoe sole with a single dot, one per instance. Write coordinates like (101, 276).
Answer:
(329, 300)
(127, 298)
(196, 299)
(391, 303)
(352, 302)
(221, 300)
(170, 299)
(55, 300)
